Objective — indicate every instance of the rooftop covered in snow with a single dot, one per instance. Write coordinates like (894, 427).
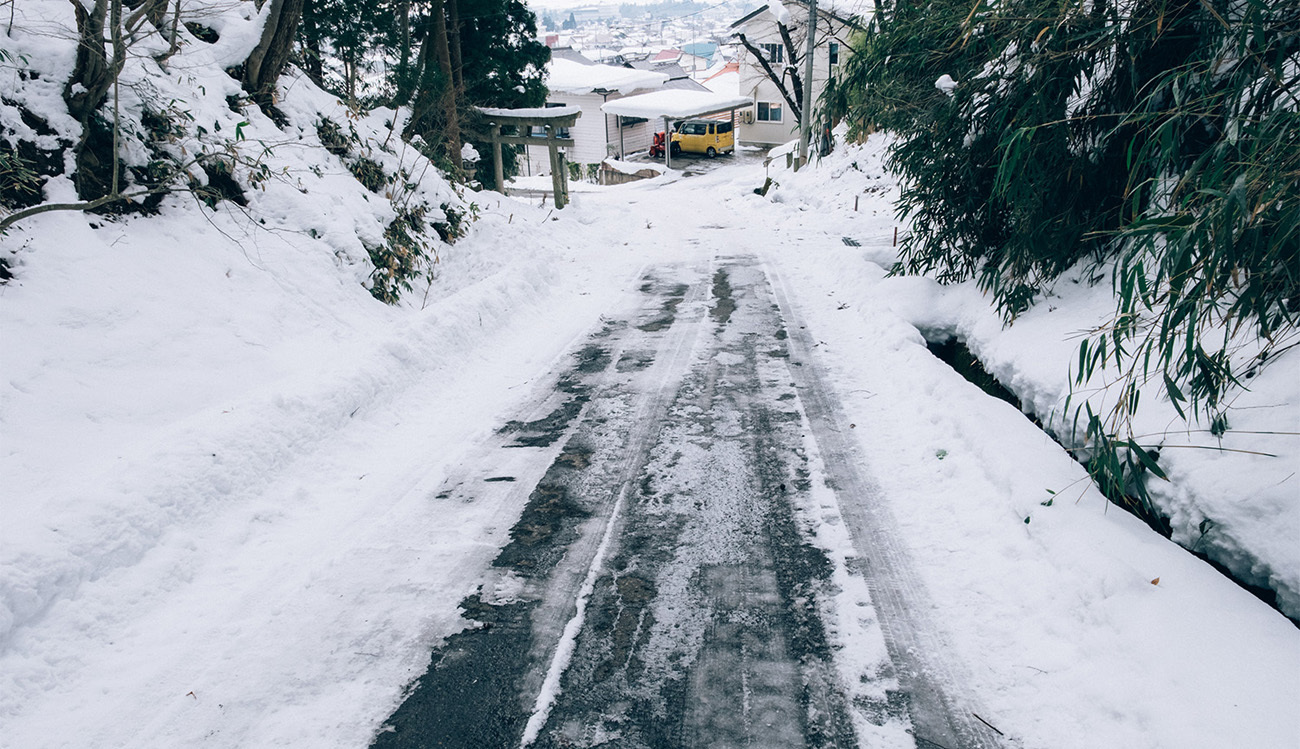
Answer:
(569, 77)
(674, 104)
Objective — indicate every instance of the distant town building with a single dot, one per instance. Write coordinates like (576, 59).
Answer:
(576, 81)
(771, 120)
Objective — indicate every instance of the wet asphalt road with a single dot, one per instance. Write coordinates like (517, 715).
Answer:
(660, 588)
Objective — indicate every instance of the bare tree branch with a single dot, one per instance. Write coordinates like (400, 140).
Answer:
(792, 53)
(771, 74)
(86, 205)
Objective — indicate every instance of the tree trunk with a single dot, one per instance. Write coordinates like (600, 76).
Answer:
(453, 42)
(451, 136)
(406, 76)
(84, 93)
(423, 85)
(771, 74)
(792, 52)
(156, 10)
(264, 63)
(91, 73)
(311, 59)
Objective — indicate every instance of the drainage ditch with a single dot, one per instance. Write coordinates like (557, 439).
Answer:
(955, 353)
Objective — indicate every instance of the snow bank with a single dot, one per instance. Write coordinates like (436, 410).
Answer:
(1072, 623)
(1236, 504)
(633, 167)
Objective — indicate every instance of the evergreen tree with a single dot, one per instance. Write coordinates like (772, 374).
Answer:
(342, 40)
(504, 64)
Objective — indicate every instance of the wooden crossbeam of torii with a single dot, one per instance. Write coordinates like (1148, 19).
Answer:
(524, 120)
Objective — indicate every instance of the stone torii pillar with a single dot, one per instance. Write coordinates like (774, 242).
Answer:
(524, 120)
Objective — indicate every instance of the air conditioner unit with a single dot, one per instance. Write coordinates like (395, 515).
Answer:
(747, 117)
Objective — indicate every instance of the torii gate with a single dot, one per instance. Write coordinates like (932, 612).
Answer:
(551, 118)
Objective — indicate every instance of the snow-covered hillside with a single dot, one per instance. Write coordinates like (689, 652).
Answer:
(165, 379)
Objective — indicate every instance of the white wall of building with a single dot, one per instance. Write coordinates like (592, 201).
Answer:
(754, 82)
(595, 135)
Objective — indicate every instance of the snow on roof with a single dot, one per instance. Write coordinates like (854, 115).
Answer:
(674, 104)
(569, 53)
(778, 11)
(845, 11)
(533, 113)
(726, 82)
(568, 77)
(686, 84)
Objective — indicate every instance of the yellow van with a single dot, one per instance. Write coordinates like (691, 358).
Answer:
(709, 137)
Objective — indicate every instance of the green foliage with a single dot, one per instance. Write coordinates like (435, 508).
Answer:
(20, 184)
(369, 173)
(455, 223)
(504, 64)
(165, 124)
(342, 43)
(407, 253)
(1121, 468)
(333, 138)
(404, 256)
(1157, 140)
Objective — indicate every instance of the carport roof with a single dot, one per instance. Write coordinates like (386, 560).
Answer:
(674, 104)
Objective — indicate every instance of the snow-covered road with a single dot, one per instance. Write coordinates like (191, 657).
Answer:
(662, 586)
(251, 524)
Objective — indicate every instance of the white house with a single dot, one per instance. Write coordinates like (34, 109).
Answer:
(596, 135)
(771, 121)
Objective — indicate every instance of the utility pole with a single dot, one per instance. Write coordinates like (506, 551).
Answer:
(805, 119)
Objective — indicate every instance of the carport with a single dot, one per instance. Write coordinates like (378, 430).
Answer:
(673, 105)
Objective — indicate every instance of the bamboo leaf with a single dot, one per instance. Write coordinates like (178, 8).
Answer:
(1146, 460)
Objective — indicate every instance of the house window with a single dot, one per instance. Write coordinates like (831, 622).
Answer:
(774, 53)
(539, 131)
(835, 53)
(769, 112)
(560, 132)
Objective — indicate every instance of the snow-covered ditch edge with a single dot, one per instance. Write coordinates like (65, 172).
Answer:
(1236, 506)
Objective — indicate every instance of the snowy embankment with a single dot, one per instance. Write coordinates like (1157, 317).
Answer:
(1232, 498)
(1072, 622)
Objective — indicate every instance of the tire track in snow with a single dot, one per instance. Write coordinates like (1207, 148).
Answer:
(486, 682)
(941, 715)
